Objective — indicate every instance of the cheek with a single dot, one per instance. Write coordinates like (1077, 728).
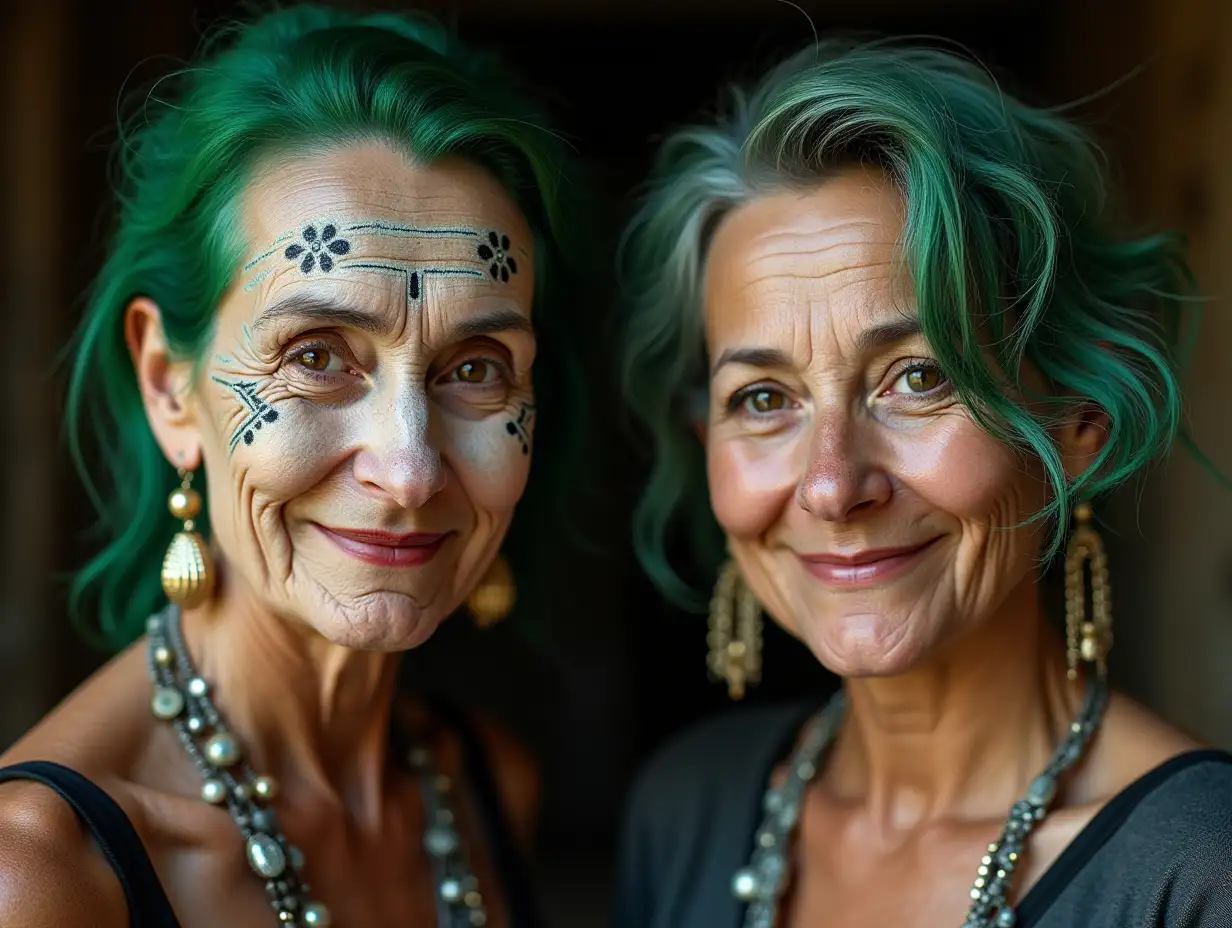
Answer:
(285, 460)
(751, 481)
(961, 470)
(488, 461)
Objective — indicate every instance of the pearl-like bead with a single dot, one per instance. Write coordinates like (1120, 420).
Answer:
(1006, 918)
(296, 856)
(198, 687)
(162, 655)
(196, 724)
(265, 787)
(265, 856)
(440, 841)
(451, 891)
(745, 885)
(478, 918)
(316, 915)
(213, 792)
(472, 900)
(222, 750)
(167, 702)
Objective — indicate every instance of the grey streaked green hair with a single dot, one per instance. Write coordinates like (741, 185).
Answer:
(1007, 239)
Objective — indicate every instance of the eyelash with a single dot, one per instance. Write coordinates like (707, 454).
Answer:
(501, 368)
(920, 364)
(304, 347)
(741, 396)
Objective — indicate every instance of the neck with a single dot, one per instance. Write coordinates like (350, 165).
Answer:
(312, 714)
(963, 735)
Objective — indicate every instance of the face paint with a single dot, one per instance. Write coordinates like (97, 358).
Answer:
(366, 380)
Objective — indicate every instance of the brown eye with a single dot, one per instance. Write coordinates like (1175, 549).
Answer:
(475, 371)
(315, 359)
(767, 401)
(922, 379)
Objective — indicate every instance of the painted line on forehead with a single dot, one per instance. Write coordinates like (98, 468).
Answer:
(256, 280)
(269, 251)
(259, 410)
(397, 230)
(416, 277)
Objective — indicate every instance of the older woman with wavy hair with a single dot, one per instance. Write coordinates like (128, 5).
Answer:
(308, 374)
(916, 347)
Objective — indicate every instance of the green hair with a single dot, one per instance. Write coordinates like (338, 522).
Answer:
(300, 78)
(1008, 241)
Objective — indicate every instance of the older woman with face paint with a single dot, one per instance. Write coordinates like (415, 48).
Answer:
(924, 348)
(314, 334)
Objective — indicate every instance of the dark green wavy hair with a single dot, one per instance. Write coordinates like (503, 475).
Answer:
(299, 78)
(1008, 241)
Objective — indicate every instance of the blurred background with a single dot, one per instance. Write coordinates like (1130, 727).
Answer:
(610, 672)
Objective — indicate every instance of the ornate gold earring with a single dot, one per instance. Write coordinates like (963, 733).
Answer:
(495, 595)
(188, 569)
(734, 635)
(1087, 639)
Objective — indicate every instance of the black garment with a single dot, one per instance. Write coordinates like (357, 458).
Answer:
(1159, 855)
(148, 905)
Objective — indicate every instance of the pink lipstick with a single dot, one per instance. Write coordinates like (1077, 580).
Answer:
(387, 549)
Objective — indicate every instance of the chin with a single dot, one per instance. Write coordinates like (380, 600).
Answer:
(383, 621)
(864, 645)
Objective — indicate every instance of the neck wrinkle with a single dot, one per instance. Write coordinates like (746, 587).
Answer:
(962, 736)
(311, 714)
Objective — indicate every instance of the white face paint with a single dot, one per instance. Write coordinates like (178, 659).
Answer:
(366, 409)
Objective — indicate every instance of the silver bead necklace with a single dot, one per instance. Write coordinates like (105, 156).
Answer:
(182, 697)
(761, 884)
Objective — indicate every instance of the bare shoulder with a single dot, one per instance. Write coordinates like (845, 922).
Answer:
(516, 773)
(51, 874)
(1133, 741)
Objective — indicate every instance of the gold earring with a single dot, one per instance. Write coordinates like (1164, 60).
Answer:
(495, 595)
(734, 636)
(1087, 639)
(188, 569)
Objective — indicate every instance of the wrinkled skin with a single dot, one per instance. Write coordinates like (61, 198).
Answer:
(880, 526)
(393, 398)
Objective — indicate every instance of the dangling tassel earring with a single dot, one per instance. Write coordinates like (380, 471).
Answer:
(495, 595)
(734, 635)
(1087, 639)
(188, 569)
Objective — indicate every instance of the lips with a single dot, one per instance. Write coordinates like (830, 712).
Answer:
(387, 549)
(864, 568)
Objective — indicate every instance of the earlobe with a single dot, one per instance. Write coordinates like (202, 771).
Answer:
(1082, 438)
(164, 384)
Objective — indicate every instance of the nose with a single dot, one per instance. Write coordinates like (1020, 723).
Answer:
(842, 478)
(399, 459)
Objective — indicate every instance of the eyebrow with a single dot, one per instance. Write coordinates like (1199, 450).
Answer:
(870, 339)
(304, 306)
(490, 323)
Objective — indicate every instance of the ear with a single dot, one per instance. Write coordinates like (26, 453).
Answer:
(164, 382)
(1081, 437)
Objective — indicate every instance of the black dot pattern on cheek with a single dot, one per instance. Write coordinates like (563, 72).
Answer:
(520, 427)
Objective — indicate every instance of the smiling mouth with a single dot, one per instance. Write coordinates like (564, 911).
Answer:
(387, 549)
(864, 568)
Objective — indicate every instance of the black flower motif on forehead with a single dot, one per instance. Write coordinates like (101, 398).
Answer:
(496, 251)
(316, 248)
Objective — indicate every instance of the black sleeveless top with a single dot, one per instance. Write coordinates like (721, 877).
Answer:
(148, 905)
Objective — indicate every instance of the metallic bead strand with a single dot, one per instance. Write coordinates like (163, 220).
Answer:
(182, 698)
(761, 884)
